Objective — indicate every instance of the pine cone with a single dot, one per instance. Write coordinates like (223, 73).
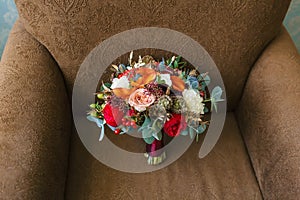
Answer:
(165, 101)
(179, 105)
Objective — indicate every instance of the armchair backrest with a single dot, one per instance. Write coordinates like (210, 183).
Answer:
(234, 32)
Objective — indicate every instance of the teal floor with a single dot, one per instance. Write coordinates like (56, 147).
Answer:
(8, 15)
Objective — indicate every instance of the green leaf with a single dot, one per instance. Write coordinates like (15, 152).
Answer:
(217, 93)
(158, 135)
(175, 64)
(206, 110)
(185, 132)
(192, 132)
(178, 59)
(146, 124)
(122, 68)
(201, 129)
(204, 78)
(169, 61)
(147, 136)
(108, 85)
(157, 125)
(214, 105)
(216, 96)
(182, 65)
(93, 106)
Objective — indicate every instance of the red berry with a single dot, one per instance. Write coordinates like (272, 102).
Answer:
(123, 120)
(127, 123)
(132, 123)
(117, 131)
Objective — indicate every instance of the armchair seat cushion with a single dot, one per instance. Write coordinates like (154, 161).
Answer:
(226, 173)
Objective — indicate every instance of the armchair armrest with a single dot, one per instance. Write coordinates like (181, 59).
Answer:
(269, 119)
(35, 121)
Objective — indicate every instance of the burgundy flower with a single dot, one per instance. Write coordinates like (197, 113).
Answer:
(175, 125)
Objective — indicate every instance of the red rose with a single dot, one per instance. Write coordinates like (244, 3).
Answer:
(112, 115)
(175, 125)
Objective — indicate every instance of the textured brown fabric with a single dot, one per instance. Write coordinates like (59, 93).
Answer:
(234, 32)
(225, 173)
(35, 115)
(269, 116)
(34, 121)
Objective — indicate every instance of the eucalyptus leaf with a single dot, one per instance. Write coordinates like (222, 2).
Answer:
(217, 93)
(216, 96)
(201, 129)
(122, 68)
(192, 132)
(147, 136)
(162, 66)
(185, 132)
(157, 135)
(157, 125)
(125, 129)
(205, 78)
(145, 125)
(214, 105)
(206, 110)
(195, 85)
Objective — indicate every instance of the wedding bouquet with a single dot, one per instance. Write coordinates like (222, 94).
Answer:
(155, 98)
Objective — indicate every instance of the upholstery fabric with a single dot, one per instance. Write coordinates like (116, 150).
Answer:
(34, 121)
(42, 57)
(269, 118)
(233, 32)
(226, 173)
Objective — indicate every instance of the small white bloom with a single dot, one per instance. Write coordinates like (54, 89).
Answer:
(173, 58)
(166, 78)
(122, 82)
(138, 65)
(131, 54)
(193, 101)
(130, 57)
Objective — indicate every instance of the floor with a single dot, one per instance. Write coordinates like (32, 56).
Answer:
(8, 15)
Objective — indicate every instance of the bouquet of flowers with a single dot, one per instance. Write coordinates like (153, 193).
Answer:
(155, 98)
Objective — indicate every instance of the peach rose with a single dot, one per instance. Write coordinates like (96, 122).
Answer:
(141, 99)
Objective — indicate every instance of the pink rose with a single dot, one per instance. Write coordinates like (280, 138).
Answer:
(141, 99)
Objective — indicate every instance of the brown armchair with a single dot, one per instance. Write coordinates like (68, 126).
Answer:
(257, 156)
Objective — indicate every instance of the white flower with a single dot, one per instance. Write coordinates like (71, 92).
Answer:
(166, 78)
(122, 82)
(193, 101)
(138, 65)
